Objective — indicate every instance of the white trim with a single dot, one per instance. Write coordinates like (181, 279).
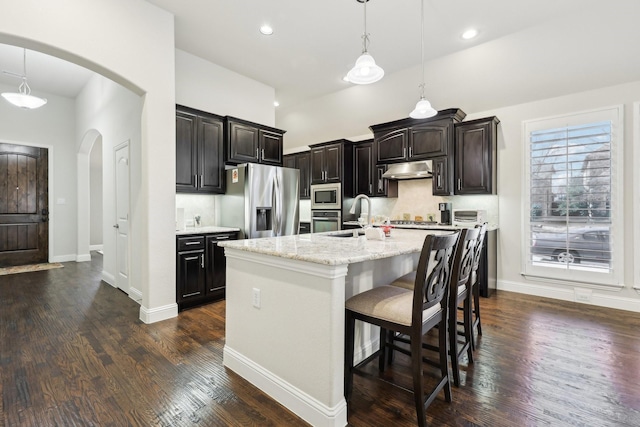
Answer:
(571, 293)
(319, 270)
(306, 407)
(636, 196)
(135, 295)
(83, 257)
(615, 278)
(63, 258)
(152, 315)
(96, 247)
(108, 278)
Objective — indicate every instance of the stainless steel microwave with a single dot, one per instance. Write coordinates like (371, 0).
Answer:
(326, 196)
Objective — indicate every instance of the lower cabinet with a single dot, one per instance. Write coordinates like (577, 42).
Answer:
(200, 269)
(305, 228)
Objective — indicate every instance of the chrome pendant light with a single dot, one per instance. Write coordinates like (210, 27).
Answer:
(423, 109)
(365, 71)
(23, 97)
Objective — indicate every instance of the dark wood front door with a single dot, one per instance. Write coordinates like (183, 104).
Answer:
(24, 205)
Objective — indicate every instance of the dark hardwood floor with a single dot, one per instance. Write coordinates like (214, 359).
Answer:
(73, 353)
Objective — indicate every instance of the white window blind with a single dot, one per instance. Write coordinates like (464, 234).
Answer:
(572, 209)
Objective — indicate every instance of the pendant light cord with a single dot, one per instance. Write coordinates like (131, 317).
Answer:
(422, 46)
(365, 36)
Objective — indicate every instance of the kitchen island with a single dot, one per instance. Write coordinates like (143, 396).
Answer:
(285, 312)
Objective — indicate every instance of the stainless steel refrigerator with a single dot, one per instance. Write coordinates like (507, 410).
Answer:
(261, 200)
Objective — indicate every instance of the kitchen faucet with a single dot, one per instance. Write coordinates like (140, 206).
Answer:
(353, 206)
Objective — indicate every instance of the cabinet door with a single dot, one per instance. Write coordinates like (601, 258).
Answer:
(270, 148)
(362, 169)
(317, 165)
(186, 152)
(392, 146)
(441, 185)
(475, 157)
(289, 161)
(381, 184)
(211, 155)
(216, 264)
(333, 163)
(304, 164)
(243, 145)
(429, 140)
(191, 275)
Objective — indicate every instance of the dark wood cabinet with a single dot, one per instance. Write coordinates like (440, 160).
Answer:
(363, 179)
(201, 268)
(409, 140)
(326, 163)
(442, 177)
(302, 162)
(249, 142)
(476, 156)
(199, 151)
(305, 228)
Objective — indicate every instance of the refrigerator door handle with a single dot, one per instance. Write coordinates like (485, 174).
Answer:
(277, 207)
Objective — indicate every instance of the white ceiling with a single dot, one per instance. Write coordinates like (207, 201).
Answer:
(314, 43)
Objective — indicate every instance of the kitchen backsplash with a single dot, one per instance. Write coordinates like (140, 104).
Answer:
(415, 198)
(197, 204)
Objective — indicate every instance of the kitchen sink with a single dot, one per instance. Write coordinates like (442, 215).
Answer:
(348, 233)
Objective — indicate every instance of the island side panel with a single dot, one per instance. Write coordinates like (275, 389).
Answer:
(292, 347)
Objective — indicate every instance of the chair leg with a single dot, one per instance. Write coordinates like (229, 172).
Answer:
(476, 313)
(390, 339)
(453, 346)
(383, 349)
(348, 354)
(468, 327)
(418, 389)
(444, 362)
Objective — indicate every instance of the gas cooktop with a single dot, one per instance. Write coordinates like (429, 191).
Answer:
(407, 222)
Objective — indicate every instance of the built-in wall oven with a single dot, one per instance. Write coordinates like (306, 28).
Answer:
(325, 221)
(326, 196)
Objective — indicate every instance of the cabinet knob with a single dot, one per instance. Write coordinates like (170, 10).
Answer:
(202, 260)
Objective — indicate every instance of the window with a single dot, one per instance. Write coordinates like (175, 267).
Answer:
(572, 225)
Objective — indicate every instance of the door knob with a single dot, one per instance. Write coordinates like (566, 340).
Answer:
(116, 226)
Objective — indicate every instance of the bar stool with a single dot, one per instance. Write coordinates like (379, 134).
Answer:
(410, 312)
(460, 294)
(475, 286)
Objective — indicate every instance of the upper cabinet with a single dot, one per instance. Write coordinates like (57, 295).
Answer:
(249, 142)
(476, 156)
(410, 140)
(363, 177)
(302, 162)
(326, 162)
(199, 151)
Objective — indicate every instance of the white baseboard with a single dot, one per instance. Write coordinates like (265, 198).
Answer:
(83, 257)
(135, 295)
(63, 258)
(306, 407)
(565, 293)
(152, 315)
(95, 247)
(108, 278)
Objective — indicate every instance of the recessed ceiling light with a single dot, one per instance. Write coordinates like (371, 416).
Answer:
(276, 104)
(266, 30)
(469, 34)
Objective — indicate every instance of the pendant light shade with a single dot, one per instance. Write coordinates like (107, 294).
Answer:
(423, 109)
(366, 70)
(23, 97)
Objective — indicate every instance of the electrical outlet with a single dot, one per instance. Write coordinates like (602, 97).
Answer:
(256, 298)
(582, 295)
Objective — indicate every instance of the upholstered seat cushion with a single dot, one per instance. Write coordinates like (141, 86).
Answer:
(390, 303)
(408, 280)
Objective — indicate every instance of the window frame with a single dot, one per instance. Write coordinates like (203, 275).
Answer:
(615, 277)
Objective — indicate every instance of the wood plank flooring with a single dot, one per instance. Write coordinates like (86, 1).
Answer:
(73, 353)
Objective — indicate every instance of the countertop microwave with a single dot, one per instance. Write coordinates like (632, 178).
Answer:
(469, 216)
(326, 196)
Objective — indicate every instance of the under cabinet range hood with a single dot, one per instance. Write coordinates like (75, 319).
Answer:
(412, 170)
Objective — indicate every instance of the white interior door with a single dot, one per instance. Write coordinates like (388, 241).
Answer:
(122, 216)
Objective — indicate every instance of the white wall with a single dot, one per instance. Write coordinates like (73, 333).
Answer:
(51, 126)
(131, 42)
(208, 87)
(95, 178)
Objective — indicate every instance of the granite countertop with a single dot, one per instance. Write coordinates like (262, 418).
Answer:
(322, 248)
(490, 227)
(206, 230)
